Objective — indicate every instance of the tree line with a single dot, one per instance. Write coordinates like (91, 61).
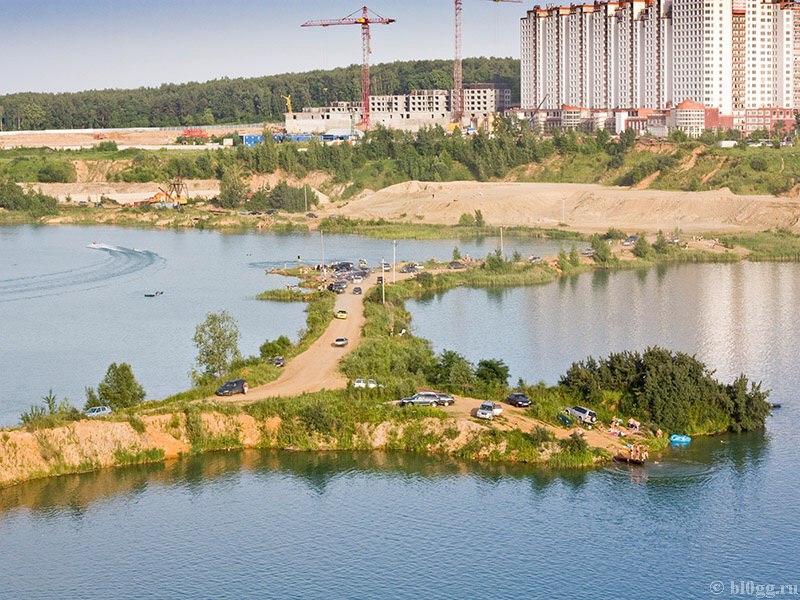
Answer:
(240, 100)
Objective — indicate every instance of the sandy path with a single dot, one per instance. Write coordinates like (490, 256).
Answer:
(318, 367)
(585, 207)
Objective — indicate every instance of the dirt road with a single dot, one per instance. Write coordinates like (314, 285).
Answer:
(318, 367)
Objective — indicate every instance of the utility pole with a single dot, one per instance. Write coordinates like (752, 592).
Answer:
(563, 210)
(383, 282)
(502, 246)
(322, 241)
(305, 196)
(394, 261)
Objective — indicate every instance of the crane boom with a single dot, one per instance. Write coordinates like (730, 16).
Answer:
(363, 17)
(458, 77)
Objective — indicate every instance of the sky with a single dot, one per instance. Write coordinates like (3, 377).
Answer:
(71, 45)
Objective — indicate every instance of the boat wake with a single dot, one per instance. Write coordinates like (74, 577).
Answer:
(120, 262)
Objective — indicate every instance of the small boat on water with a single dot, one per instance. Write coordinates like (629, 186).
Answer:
(679, 438)
(153, 294)
(774, 406)
(621, 458)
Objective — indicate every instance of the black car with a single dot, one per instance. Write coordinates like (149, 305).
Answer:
(272, 211)
(278, 361)
(456, 265)
(357, 291)
(311, 215)
(519, 400)
(230, 388)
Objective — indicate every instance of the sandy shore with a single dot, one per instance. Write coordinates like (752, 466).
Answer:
(583, 207)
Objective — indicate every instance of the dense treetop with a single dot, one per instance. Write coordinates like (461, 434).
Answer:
(238, 100)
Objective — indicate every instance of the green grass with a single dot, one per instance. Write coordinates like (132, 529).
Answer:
(775, 245)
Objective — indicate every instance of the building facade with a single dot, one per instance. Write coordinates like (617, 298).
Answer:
(731, 55)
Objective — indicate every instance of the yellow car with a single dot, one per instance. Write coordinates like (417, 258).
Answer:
(341, 314)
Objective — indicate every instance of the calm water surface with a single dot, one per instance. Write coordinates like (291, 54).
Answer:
(68, 311)
(300, 525)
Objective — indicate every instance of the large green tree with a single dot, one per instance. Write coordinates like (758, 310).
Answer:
(217, 342)
(118, 389)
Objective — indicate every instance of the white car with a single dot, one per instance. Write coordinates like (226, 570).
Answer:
(357, 280)
(99, 411)
(485, 411)
(365, 383)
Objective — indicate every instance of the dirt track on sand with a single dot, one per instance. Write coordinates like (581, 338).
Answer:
(584, 207)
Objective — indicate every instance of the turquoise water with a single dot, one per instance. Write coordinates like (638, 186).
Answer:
(345, 525)
(68, 311)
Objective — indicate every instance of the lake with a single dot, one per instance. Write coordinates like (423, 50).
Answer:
(68, 311)
(373, 525)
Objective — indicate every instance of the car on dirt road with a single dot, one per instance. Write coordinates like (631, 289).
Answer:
(232, 387)
(485, 411)
(581, 414)
(99, 411)
(278, 361)
(426, 399)
(357, 291)
(341, 314)
(341, 342)
(519, 400)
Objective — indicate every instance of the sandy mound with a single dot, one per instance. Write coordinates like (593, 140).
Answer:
(585, 207)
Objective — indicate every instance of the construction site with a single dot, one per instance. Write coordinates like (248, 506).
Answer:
(467, 107)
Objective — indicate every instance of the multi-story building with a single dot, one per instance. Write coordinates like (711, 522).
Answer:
(484, 99)
(730, 55)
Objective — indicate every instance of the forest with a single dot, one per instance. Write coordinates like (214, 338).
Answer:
(242, 100)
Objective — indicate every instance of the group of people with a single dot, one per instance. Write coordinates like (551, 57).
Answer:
(638, 452)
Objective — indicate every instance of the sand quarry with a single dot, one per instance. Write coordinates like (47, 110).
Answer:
(585, 207)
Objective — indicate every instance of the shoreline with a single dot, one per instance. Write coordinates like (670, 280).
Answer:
(179, 425)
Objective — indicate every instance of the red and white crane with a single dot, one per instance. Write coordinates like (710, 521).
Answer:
(365, 18)
(458, 78)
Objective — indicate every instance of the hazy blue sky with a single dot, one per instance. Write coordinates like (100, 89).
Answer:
(68, 45)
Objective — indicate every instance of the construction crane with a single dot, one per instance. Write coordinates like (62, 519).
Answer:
(458, 78)
(365, 18)
(288, 100)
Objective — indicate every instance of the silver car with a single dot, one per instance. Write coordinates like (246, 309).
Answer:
(425, 399)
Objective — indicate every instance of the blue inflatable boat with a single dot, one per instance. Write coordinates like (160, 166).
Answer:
(679, 438)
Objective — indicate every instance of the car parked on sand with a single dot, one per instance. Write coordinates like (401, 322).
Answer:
(519, 400)
(456, 265)
(278, 361)
(99, 411)
(445, 399)
(485, 411)
(363, 384)
(582, 415)
(311, 215)
(340, 342)
(425, 399)
(341, 314)
(232, 387)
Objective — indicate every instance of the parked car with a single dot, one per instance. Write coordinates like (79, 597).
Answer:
(588, 252)
(340, 342)
(582, 415)
(357, 291)
(357, 279)
(311, 215)
(365, 384)
(445, 399)
(272, 211)
(423, 399)
(230, 388)
(386, 266)
(519, 400)
(341, 314)
(278, 361)
(99, 411)
(485, 411)
(380, 279)
(410, 268)
(456, 265)
(630, 240)
(535, 259)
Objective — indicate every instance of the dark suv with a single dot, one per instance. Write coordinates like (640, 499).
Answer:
(230, 388)
(518, 400)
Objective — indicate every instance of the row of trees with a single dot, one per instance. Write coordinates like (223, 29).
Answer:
(13, 197)
(671, 390)
(238, 100)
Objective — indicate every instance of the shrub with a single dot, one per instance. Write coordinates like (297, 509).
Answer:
(276, 347)
(57, 172)
(466, 220)
(642, 248)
